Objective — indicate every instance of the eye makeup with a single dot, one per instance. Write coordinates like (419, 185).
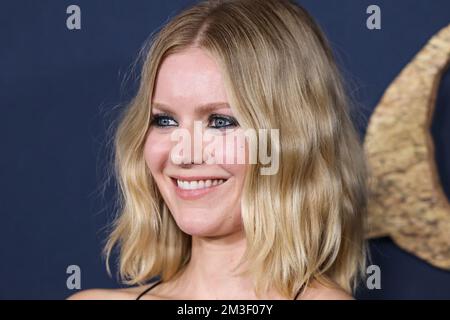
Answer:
(215, 121)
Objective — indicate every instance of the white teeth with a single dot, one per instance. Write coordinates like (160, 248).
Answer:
(200, 184)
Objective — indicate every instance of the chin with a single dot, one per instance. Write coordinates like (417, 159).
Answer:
(203, 227)
(199, 229)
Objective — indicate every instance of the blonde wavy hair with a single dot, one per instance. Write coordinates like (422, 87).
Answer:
(305, 222)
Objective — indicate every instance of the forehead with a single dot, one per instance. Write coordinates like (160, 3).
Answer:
(191, 77)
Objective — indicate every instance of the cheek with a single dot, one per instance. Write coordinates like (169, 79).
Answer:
(156, 152)
(238, 172)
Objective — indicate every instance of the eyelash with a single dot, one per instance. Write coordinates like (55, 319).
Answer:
(155, 120)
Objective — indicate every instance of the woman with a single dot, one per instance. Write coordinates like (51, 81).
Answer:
(224, 230)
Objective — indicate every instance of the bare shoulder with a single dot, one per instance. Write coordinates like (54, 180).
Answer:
(108, 294)
(101, 294)
(319, 291)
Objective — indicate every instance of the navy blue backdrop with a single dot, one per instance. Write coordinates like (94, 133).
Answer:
(60, 89)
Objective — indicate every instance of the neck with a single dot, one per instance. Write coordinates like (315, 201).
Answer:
(210, 272)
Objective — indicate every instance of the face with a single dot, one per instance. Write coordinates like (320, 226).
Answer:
(204, 198)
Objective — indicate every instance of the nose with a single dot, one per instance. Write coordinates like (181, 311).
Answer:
(188, 150)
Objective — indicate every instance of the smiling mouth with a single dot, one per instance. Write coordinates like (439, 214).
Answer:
(197, 184)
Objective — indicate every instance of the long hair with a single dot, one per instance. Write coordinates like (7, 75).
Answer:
(305, 222)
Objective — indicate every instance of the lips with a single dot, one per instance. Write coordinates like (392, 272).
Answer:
(196, 178)
(191, 188)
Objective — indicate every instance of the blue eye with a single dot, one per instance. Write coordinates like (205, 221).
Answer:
(215, 121)
(162, 120)
(221, 121)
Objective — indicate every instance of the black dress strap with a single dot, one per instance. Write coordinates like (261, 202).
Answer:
(299, 290)
(148, 289)
(295, 298)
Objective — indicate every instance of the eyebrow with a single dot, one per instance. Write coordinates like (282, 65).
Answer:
(201, 109)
